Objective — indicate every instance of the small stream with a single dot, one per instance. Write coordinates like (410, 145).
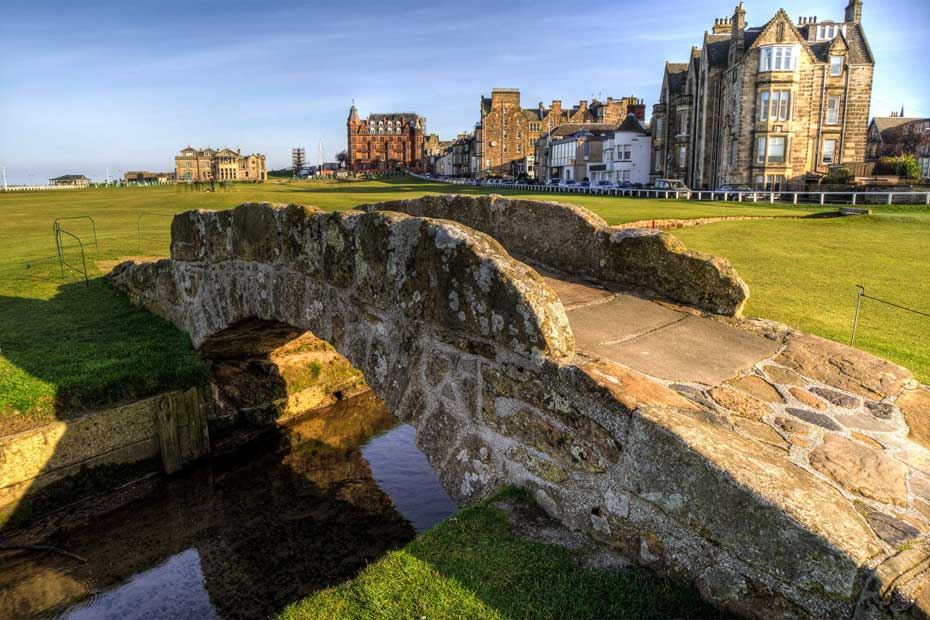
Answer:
(240, 535)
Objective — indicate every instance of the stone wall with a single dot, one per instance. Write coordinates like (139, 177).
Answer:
(473, 349)
(574, 240)
(171, 427)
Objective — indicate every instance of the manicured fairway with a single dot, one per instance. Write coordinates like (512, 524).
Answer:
(64, 347)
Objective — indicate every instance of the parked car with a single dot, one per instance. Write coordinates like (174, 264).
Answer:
(734, 187)
(605, 185)
(568, 183)
(671, 185)
(554, 182)
(625, 185)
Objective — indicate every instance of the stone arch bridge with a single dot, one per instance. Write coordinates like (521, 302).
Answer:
(782, 474)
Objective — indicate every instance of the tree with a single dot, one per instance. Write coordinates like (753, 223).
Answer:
(342, 157)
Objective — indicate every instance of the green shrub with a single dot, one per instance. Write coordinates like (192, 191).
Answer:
(904, 166)
(837, 176)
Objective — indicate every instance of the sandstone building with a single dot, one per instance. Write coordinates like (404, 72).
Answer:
(219, 165)
(505, 137)
(899, 135)
(384, 142)
(765, 106)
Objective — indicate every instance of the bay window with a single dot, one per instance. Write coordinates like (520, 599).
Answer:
(777, 150)
(778, 58)
(775, 105)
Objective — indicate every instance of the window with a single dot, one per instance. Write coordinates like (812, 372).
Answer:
(829, 151)
(627, 152)
(682, 122)
(658, 162)
(764, 106)
(836, 65)
(778, 58)
(682, 156)
(760, 150)
(625, 176)
(829, 31)
(833, 110)
(777, 150)
(659, 127)
(781, 104)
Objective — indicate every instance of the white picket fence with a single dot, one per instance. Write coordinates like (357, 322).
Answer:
(793, 197)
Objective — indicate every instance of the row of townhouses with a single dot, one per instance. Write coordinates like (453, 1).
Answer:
(765, 106)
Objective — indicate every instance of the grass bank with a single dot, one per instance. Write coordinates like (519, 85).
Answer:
(65, 348)
(472, 566)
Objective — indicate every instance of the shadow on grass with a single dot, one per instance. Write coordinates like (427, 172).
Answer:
(473, 566)
(69, 353)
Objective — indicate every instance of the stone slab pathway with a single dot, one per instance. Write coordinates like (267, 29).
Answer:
(655, 339)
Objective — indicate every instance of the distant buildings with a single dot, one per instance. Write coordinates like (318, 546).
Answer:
(564, 152)
(219, 165)
(70, 180)
(765, 105)
(142, 176)
(385, 142)
(506, 135)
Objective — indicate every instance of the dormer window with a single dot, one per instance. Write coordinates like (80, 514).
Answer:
(836, 65)
(778, 58)
(825, 32)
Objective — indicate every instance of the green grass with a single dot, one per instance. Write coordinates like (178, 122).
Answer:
(473, 567)
(804, 273)
(65, 348)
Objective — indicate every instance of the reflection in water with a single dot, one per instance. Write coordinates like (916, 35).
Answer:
(242, 535)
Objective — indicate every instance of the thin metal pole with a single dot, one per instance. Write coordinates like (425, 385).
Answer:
(859, 296)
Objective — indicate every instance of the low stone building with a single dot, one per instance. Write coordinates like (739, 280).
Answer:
(767, 106)
(70, 180)
(219, 165)
(144, 176)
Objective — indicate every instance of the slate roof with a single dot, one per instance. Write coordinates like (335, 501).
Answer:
(568, 129)
(884, 124)
(70, 177)
(717, 47)
(677, 73)
(631, 124)
(393, 116)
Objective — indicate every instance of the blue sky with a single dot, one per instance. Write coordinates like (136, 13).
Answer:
(89, 85)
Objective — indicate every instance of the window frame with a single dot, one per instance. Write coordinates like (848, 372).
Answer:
(836, 65)
(823, 151)
(761, 146)
(784, 149)
(834, 111)
(778, 58)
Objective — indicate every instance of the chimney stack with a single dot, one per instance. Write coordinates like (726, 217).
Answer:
(854, 12)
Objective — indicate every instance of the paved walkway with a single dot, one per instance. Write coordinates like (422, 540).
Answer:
(656, 339)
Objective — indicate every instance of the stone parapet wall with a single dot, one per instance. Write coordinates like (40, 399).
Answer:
(761, 504)
(576, 241)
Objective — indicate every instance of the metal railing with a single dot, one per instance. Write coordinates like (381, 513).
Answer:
(61, 258)
(755, 196)
(860, 295)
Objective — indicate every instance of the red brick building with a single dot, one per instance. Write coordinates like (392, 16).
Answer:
(385, 141)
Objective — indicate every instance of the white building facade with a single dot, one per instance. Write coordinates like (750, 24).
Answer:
(626, 155)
